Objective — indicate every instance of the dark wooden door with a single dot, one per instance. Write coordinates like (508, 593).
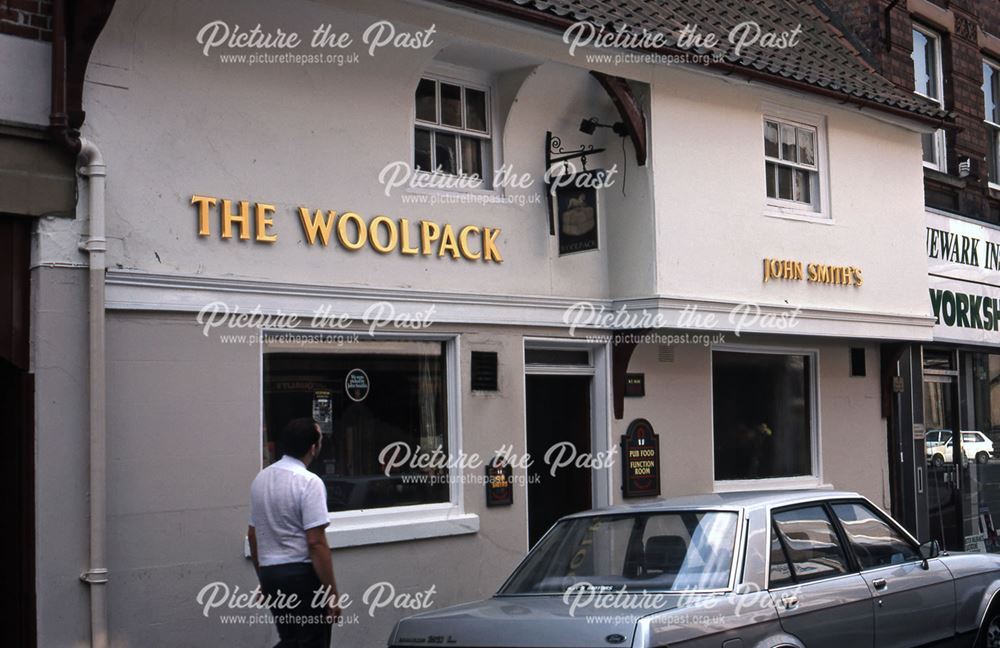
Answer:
(17, 473)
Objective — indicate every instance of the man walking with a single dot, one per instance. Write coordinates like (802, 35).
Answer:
(287, 534)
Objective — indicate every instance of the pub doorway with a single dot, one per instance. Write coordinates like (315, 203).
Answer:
(17, 422)
(565, 412)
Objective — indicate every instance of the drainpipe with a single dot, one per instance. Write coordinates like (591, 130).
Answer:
(92, 167)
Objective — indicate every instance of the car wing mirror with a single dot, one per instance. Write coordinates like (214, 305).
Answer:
(929, 550)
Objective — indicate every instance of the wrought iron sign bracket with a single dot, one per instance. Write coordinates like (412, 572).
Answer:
(553, 145)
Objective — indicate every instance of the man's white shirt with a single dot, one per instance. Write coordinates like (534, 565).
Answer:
(285, 500)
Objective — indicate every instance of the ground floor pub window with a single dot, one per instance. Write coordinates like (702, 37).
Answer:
(762, 414)
(365, 396)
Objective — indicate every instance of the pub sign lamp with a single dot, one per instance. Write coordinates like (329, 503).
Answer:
(588, 126)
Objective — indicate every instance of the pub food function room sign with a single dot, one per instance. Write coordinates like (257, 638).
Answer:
(640, 460)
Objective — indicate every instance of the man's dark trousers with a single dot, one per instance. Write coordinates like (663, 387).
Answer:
(301, 626)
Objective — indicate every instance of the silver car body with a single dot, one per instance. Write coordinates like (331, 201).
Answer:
(942, 601)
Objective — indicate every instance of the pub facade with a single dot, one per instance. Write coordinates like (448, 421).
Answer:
(512, 273)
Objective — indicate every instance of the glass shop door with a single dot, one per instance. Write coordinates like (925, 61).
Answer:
(942, 450)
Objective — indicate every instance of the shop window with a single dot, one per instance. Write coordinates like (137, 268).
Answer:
(928, 82)
(453, 130)
(763, 415)
(366, 397)
(991, 98)
(794, 180)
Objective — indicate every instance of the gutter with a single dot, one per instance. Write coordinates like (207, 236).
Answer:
(94, 171)
(539, 18)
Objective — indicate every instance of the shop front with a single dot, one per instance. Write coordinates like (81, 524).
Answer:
(953, 487)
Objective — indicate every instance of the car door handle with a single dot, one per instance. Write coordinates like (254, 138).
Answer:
(790, 601)
(879, 584)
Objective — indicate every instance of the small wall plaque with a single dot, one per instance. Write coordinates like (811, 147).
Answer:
(499, 486)
(635, 385)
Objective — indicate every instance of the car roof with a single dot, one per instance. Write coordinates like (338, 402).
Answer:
(730, 500)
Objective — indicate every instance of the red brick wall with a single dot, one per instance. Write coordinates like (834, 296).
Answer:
(962, 62)
(26, 18)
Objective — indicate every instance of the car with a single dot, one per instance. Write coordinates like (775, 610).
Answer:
(763, 569)
(975, 444)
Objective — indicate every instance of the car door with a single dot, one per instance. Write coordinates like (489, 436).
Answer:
(819, 597)
(914, 604)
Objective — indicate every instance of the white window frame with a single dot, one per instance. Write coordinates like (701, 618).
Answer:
(992, 128)
(813, 480)
(819, 210)
(466, 78)
(940, 162)
(400, 523)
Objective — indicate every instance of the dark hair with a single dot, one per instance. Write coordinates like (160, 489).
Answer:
(298, 436)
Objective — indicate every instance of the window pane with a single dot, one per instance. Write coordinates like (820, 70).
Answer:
(990, 80)
(784, 183)
(364, 401)
(806, 140)
(762, 415)
(875, 543)
(426, 101)
(475, 110)
(446, 152)
(925, 64)
(788, 143)
(771, 172)
(770, 139)
(801, 186)
(812, 543)
(781, 573)
(472, 157)
(929, 142)
(994, 157)
(422, 150)
(451, 105)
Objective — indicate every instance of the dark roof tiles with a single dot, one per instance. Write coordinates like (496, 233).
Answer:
(822, 57)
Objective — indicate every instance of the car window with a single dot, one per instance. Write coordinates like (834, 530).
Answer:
(812, 544)
(932, 437)
(971, 437)
(781, 572)
(875, 542)
(659, 551)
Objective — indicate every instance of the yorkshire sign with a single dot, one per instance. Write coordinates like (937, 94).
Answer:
(963, 271)
(239, 220)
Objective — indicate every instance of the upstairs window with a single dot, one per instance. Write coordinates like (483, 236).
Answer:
(991, 97)
(452, 131)
(794, 177)
(928, 82)
(790, 155)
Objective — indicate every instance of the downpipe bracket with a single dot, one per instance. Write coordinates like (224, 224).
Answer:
(97, 576)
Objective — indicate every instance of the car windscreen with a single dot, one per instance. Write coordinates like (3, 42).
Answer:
(667, 551)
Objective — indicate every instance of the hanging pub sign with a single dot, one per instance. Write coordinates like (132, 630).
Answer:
(571, 195)
(576, 212)
(499, 486)
(640, 460)
(356, 385)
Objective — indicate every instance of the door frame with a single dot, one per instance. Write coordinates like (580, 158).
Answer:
(599, 369)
